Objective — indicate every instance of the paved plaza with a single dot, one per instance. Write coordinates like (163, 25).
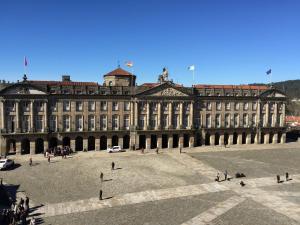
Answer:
(166, 188)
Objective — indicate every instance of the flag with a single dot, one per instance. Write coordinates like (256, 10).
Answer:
(25, 61)
(129, 64)
(269, 72)
(191, 68)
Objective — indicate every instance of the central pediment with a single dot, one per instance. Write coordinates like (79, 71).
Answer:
(169, 92)
(22, 89)
(166, 89)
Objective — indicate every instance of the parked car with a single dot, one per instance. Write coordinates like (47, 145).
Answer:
(115, 149)
(6, 163)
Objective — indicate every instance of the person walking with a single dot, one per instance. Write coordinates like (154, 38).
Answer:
(101, 176)
(49, 159)
(287, 176)
(157, 150)
(225, 174)
(27, 201)
(100, 194)
(112, 165)
(30, 161)
(180, 150)
(278, 178)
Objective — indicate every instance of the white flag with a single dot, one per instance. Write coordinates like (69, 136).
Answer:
(191, 68)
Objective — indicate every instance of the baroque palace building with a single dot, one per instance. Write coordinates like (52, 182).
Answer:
(37, 115)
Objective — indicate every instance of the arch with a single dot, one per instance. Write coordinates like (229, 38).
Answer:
(153, 141)
(262, 138)
(39, 145)
(66, 142)
(164, 141)
(198, 139)
(142, 141)
(207, 138)
(271, 135)
(244, 137)
(114, 140)
(103, 142)
(126, 141)
(226, 138)
(175, 140)
(78, 143)
(186, 140)
(279, 137)
(25, 146)
(235, 138)
(53, 142)
(11, 146)
(91, 143)
(253, 138)
(217, 138)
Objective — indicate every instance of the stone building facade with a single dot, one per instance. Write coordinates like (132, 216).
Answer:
(37, 115)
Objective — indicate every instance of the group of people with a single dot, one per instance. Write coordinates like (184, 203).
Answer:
(17, 214)
(58, 151)
(287, 177)
(102, 180)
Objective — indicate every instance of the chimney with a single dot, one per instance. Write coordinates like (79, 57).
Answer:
(66, 78)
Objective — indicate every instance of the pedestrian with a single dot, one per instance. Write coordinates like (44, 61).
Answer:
(27, 201)
(278, 178)
(112, 165)
(225, 174)
(242, 183)
(30, 161)
(21, 201)
(287, 176)
(49, 159)
(100, 194)
(157, 150)
(101, 176)
(218, 177)
(180, 149)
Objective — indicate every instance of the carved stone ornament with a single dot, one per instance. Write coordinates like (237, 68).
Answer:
(23, 90)
(170, 92)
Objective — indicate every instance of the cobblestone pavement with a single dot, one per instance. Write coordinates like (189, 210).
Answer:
(168, 188)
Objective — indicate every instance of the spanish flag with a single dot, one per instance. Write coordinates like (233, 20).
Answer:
(129, 64)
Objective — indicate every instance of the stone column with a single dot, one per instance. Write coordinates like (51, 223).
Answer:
(159, 140)
(180, 144)
(32, 147)
(97, 144)
(148, 141)
(212, 139)
(275, 139)
(191, 115)
(159, 115)
(109, 142)
(258, 113)
(221, 142)
(230, 139)
(170, 114)
(170, 141)
(120, 142)
(283, 138)
(131, 114)
(45, 116)
(72, 144)
(191, 141)
(180, 114)
(275, 115)
(3, 125)
(267, 137)
(240, 139)
(267, 114)
(46, 145)
(18, 147)
(257, 137)
(147, 115)
(18, 116)
(283, 115)
(248, 139)
(85, 144)
(136, 116)
(32, 116)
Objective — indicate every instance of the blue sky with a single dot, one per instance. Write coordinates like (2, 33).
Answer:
(228, 41)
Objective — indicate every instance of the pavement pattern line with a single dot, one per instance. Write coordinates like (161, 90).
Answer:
(286, 193)
(215, 211)
(155, 195)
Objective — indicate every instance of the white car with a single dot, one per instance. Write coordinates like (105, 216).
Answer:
(6, 163)
(115, 149)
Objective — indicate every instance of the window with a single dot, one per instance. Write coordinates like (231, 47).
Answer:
(253, 119)
(39, 123)
(227, 120)
(153, 106)
(91, 122)
(11, 106)
(208, 106)
(66, 106)
(25, 123)
(186, 107)
(218, 120)
(142, 106)
(176, 106)
(236, 106)
(103, 106)
(92, 106)
(246, 106)
(115, 106)
(103, 122)
(126, 122)
(227, 106)
(165, 106)
(78, 106)
(153, 120)
(208, 121)
(11, 123)
(264, 119)
(39, 106)
(271, 119)
(53, 107)
(115, 122)
(26, 106)
(176, 121)
(197, 122)
(236, 120)
(142, 121)
(218, 106)
(245, 120)
(53, 123)
(185, 121)
(272, 106)
(165, 121)
(79, 123)
(126, 106)
(254, 106)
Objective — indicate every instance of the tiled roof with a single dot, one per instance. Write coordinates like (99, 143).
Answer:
(292, 119)
(63, 83)
(244, 87)
(119, 71)
(156, 84)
